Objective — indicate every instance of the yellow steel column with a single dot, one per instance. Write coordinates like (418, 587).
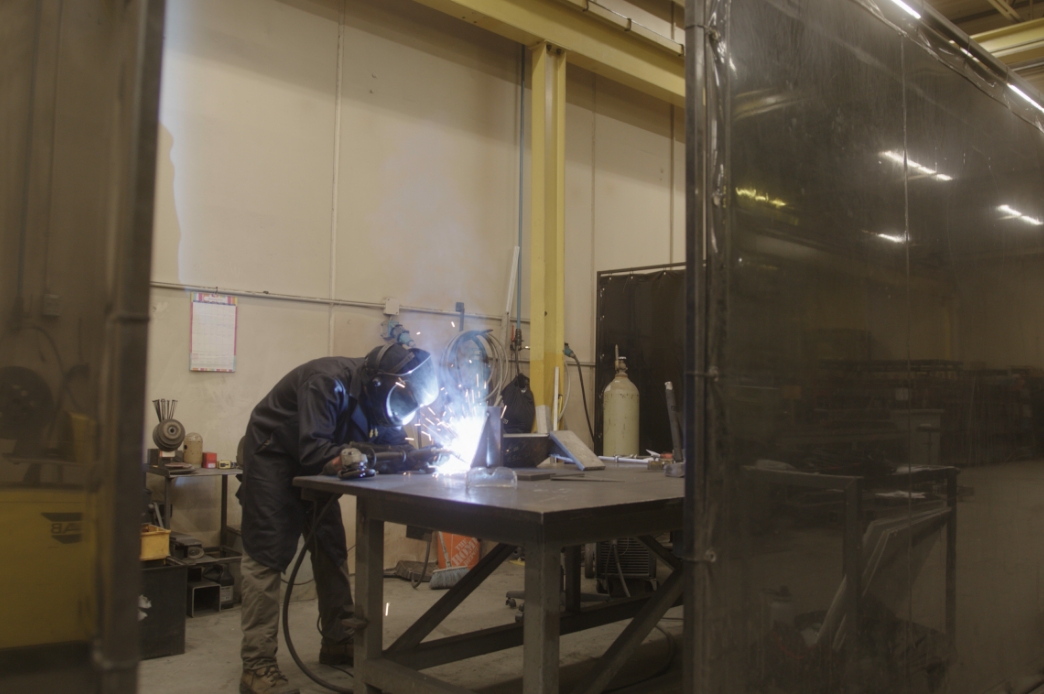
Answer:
(547, 220)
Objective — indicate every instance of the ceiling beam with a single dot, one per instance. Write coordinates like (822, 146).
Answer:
(1014, 44)
(974, 17)
(1005, 9)
(590, 41)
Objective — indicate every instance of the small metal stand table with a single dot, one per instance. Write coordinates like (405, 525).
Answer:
(168, 481)
(544, 517)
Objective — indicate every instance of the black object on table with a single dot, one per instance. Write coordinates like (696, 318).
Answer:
(543, 516)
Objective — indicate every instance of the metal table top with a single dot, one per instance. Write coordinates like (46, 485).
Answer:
(600, 505)
(195, 472)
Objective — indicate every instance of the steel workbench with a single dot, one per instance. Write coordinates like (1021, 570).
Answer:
(545, 517)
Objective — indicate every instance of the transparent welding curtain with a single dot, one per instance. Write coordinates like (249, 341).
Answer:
(864, 317)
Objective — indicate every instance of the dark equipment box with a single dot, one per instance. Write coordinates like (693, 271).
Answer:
(162, 608)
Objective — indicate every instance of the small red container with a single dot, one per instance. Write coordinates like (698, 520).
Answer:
(209, 460)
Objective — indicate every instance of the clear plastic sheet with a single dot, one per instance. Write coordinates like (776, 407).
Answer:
(867, 514)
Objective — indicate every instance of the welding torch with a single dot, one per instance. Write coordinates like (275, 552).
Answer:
(363, 460)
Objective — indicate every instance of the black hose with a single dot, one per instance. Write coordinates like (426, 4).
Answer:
(424, 570)
(619, 571)
(286, 609)
(583, 395)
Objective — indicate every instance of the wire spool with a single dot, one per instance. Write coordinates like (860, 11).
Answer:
(168, 435)
(26, 404)
(471, 353)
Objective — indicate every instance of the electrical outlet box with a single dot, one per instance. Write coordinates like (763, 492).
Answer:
(51, 306)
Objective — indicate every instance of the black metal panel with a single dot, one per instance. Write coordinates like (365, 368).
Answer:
(866, 248)
(643, 313)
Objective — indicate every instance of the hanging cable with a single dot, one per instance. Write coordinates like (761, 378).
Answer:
(464, 349)
(286, 608)
(583, 392)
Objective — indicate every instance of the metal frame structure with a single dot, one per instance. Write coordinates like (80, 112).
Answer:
(852, 545)
(625, 502)
(547, 69)
(594, 38)
(168, 483)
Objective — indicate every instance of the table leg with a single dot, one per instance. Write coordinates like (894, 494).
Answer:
(572, 579)
(224, 511)
(369, 585)
(166, 501)
(540, 625)
(951, 561)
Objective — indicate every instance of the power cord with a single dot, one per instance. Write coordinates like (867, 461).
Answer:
(286, 609)
(583, 391)
(427, 555)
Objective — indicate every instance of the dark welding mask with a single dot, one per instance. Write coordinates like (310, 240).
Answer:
(400, 381)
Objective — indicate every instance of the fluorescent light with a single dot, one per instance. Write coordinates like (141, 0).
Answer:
(757, 196)
(1015, 214)
(898, 158)
(1027, 97)
(894, 238)
(907, 9)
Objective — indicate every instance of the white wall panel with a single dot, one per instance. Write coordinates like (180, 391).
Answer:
(273, 338)
(632, 178)
(246, 150)
(429, 159)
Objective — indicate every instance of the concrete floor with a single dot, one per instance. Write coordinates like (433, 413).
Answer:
(211, 659)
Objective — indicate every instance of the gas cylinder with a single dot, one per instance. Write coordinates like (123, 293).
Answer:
(620, 413)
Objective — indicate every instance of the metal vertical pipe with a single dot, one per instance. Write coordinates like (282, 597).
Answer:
(116, 657)
(694, 672)
(547, 220)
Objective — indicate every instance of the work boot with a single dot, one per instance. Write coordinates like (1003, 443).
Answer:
(337, 653)
(265, 680)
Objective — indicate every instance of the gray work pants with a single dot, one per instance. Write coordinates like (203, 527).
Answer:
(262, 604)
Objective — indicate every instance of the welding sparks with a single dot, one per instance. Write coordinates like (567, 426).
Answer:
(458, 429)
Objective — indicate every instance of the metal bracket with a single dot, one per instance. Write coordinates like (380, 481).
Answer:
(711, 374)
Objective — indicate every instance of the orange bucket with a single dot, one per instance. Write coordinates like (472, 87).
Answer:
(462, 550)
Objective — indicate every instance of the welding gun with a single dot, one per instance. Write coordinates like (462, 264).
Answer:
(361, 460)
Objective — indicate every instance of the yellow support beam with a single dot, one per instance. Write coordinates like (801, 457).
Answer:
(1015, 44)
(547, 68)
(590, 40)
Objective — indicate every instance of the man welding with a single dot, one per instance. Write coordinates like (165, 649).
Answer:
(301, 428)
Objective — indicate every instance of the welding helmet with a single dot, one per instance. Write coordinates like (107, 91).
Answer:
(399, 381)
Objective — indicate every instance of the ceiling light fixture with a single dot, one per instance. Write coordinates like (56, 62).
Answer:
(1012, 213)
(907, 9)
(757, 196)
(894, 238)
(1027, 97)
(898, 158)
